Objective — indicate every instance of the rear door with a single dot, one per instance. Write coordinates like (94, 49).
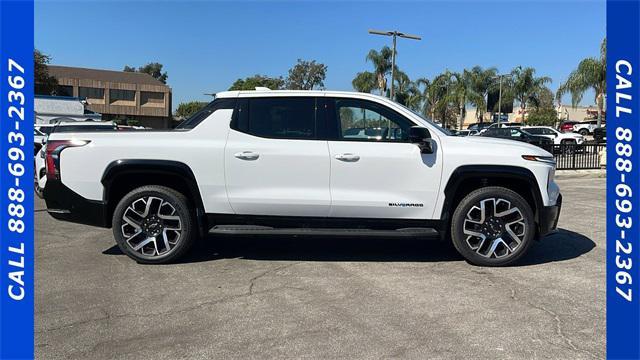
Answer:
(376, 172)
(276, 160)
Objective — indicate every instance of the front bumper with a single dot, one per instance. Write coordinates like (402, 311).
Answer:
(548, 218)
(65, 204)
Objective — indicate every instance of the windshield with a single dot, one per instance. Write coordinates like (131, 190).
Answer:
(430, 122)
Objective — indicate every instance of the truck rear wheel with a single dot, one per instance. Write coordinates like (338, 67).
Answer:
(492, 226)
(153, 225)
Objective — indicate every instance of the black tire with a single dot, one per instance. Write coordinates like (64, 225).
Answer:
(583, 132)
(184, 238)
(462, 217)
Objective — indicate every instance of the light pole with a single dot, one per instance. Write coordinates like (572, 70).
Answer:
(394, 34)
(500, 97)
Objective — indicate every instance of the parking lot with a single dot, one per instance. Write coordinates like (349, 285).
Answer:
(314, 297)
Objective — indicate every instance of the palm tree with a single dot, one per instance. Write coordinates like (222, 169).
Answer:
(427, 103)
(407, 92)
(526, 86)
(481, 82)
(364, 82)
(590, 74)
(444, 98)
(382, 64)
(465, 91)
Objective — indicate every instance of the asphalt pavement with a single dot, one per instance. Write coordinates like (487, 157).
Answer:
(260, 297)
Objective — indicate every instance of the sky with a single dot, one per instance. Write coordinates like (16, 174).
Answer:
(206, 45)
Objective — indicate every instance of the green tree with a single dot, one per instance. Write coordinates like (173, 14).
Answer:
(186, 109)
(45, 84)
(590, 74)
(463, 91)
(364, 82)
(306, 75)
(444, 99)
(382, 66)
(543, 116)
(407, 92)
(154, 69)
(252, 82)
(526, 86)
(481, 81)
(544, 98)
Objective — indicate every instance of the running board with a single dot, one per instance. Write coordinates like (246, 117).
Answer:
(266, 230)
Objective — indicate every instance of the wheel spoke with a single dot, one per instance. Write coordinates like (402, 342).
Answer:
(143, 243)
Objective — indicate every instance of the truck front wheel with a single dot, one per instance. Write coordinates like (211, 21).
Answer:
(153, 225)
(492, 226)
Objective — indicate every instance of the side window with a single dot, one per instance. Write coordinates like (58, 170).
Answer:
(501, 132)
(284, 118)
(367, 121)
(514, 133)
(535, 131)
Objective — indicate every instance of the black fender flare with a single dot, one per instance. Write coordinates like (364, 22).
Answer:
(123, 167)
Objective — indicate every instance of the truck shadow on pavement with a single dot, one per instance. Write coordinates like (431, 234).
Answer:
(560, 246)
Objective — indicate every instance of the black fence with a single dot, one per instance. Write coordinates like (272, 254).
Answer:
(574, 157)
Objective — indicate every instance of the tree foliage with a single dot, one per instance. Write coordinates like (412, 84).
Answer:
(251, 82)
(186, 109)
(543, 116)
(591, 73)
(364, 82)
(45, 84)
(526, 86)
(381, 61)
(154, 69)
(306, 75)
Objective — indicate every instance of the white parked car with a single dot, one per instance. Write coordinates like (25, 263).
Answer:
(555, 135)
(586, 127)
(291, 162)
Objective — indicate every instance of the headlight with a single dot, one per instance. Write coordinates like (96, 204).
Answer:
(544, 159)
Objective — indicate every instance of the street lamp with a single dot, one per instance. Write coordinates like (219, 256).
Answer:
(394, 34)
(500, 97)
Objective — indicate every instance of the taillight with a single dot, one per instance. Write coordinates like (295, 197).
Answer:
(53, 149)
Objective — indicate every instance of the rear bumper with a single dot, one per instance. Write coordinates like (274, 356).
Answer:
(65, 204)
(548, 219)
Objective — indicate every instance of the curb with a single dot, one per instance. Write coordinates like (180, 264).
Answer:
(580, 174)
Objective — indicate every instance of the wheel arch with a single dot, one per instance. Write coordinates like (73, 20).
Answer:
(468, 178)
(123, 175)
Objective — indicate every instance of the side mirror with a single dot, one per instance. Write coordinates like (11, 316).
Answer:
(422, 138)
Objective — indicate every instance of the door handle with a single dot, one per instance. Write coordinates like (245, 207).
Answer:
(247, 155)
(348, 157)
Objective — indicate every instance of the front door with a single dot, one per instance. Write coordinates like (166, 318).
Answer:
(375, 171)
(274, 163)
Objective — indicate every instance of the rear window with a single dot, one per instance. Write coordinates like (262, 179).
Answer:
(201, 115)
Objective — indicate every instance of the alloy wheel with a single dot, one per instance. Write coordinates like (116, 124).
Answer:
(151, 226)
(494, 228)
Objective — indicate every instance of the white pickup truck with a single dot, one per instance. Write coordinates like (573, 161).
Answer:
(255, 162)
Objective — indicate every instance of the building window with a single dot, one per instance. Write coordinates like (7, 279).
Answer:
(64, 90)
(122, 97)
(93, 95)
(151, 99)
